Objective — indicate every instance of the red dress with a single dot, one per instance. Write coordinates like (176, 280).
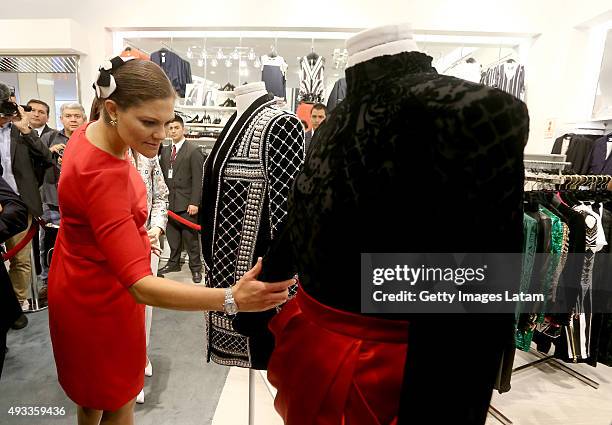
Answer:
(97, 328)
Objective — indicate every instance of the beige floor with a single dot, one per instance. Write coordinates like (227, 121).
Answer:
(542, 395)
(545, 395)
(233, 407)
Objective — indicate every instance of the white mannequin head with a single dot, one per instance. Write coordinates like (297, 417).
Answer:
(380, 41)
(247, 94)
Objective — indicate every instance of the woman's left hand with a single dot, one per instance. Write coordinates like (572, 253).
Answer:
(154, 235)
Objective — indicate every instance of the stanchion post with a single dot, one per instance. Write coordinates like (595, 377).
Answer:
(252, 396)
(34, 305)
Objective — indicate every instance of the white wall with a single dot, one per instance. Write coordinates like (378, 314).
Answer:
(555, 64)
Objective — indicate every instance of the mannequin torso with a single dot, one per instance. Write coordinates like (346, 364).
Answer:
(246, 179)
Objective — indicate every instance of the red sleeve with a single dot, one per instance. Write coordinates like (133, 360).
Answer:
(111, 219)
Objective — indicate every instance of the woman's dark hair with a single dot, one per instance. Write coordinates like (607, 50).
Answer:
(137, 81)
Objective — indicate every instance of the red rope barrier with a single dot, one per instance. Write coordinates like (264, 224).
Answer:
(22, 243)
(181, 220)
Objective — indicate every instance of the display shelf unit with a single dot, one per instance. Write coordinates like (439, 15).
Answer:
(198, 125)
(202, 139)
(206, 108)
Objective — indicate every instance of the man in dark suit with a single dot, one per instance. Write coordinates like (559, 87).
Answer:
(22, 153)
(39, 116)
(317, 116)
(13, 219)
(181, 163)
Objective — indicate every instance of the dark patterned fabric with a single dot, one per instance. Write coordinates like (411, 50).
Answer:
(412, 161)
(244, 203)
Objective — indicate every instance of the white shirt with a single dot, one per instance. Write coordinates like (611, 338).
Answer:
(39, 130)
(274, 61)
(5, 151)
(178, 145)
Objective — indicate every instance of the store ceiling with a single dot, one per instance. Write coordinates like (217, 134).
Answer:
(290, 48)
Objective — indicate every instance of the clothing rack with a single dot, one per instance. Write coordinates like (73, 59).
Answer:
(131, 45)
(500, 60)
(542, 358)
(554, 163)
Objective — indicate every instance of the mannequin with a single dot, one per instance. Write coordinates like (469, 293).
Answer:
(380, 41)
(403, 131)
(246, 180)
(247, 94)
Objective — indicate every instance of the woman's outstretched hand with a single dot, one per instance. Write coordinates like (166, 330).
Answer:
(251, 294)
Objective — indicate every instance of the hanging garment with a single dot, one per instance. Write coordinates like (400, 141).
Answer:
(177, 69)
(601, 160)
(350, 198)
(312, 81)
(528, 320)
(131, 52)
(246, 180)
(578, 332)
(530, 244)
(601, 336)
(578, 151)
(273, 73)
(507, 76)
(337, 94)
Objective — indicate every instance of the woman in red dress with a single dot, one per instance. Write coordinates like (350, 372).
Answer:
(100, 276)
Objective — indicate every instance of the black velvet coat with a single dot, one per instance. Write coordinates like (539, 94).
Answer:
(413, 161)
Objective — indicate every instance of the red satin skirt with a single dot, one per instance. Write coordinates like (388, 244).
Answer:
(336, 368)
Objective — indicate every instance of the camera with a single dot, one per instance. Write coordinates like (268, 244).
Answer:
(58, 154)
(10, 109)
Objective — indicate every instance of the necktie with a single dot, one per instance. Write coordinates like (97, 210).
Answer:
(173, 154)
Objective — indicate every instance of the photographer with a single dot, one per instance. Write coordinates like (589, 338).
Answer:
(72, 116)
(22, 153)
(13, 219)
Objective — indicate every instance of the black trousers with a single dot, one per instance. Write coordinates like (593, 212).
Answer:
(10, 310)
(182, 237)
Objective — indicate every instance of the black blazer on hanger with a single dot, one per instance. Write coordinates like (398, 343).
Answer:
(578, 152)
(28, 155)
(600, 163)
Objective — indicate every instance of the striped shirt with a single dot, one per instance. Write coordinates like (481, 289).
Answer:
(312, 84)
(507, 76)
